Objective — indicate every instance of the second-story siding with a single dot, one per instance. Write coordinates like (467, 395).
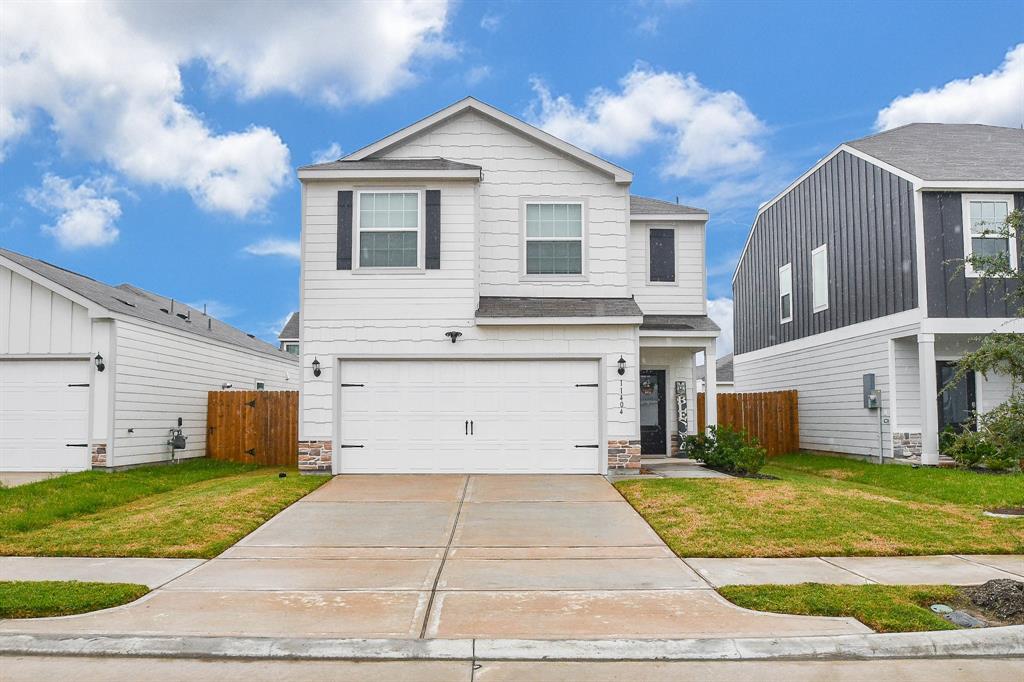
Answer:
(864, 215)
(516, 169)
(685, 296)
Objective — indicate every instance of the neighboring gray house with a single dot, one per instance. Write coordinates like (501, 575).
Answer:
(853, 270)
(93, 375)
(289, 336)
(724, 376)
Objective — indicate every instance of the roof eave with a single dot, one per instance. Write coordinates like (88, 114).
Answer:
(668, 216)
(569, 320)
(313, 174)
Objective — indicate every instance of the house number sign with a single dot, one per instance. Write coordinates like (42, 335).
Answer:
(682, 416)
(622, 399)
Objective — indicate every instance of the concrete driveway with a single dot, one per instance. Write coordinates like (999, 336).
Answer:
(394, 556)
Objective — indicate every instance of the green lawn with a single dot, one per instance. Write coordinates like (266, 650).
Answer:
(194, 509)
(883, 608)
(832, 506)
(38, 599)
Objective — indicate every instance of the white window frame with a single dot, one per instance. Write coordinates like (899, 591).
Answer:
(966, 200)
(787, 271)
(420, 230)
(526, 276)
(819, 306)
(290, 343)
(647, 255)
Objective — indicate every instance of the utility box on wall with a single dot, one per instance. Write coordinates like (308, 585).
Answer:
(871, 401)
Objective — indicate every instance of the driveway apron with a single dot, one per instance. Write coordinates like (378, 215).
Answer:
(446, 556)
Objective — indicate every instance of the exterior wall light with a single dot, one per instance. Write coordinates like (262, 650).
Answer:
(622, 365)
(454, 336)
(100, 365)
(316, 367)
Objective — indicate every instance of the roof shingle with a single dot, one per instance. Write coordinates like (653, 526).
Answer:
(526, 306)
(648, 206)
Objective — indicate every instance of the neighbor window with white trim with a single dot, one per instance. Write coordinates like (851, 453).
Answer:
(819, 278)
(984, 215)
(786, 293)
(389, 227)
(554, 239)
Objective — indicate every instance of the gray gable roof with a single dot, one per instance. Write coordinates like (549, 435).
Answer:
(648, 206)
(680, 323)
(428, 164)
(291, 328)
(949, 151)
(526, 306)
(132, 301)
(723, 369)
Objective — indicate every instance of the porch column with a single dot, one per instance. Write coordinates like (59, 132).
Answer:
(710, 385)
(929, 399)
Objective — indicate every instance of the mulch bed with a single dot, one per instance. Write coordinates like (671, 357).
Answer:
(1003, 598)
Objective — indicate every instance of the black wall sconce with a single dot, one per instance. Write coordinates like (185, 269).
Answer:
(100, 365)
(622, 365)
(316, 367)
(454, 336)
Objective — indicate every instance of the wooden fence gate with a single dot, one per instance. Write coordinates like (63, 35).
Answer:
(771, 417)
(255, 427)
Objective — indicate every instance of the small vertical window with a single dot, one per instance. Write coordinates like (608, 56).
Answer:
(819, 278)
(662, 255)
(984, 216)
(786, 293)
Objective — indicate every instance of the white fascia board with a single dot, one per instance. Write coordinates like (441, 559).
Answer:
(94, 308)
(972, 325)
(620, 175)
(389, 174)
(973, 185)
(678, 334)
(677, 217)
(555, 321)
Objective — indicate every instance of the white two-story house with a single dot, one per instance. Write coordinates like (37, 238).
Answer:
(480, 296)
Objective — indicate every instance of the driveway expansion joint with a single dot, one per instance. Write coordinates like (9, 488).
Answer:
(444, 558)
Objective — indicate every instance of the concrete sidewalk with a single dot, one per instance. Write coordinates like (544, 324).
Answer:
(149, 572)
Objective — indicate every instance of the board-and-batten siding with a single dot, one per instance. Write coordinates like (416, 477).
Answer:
(161, 375)
(36, 321)
(685, 296)
(514, 169)
(864, 215)
(950, 292)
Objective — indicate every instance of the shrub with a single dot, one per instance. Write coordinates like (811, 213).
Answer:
(967, 448)
(723, 447)
(998, 443)
(750, 459)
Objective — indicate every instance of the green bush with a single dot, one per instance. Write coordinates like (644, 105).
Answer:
(998, 443)
(723, 447)
(750, 459)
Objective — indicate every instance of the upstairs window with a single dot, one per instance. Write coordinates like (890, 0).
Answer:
(554, 239)
(389, 227)
(292, 348)
(786, 293)
(662, 255)
(986, 213)
(819, 278)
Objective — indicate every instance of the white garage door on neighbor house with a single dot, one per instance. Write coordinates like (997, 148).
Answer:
(44, 415)
(478, 416)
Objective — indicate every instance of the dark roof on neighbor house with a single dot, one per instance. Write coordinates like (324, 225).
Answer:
(949, 151)
(132, 301)
(291, 328)
(647, 206)
(429, 164)
(680, 323)
(723, 370)
(524, 306)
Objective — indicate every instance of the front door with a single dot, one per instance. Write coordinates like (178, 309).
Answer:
(652, 412)
(957, 403)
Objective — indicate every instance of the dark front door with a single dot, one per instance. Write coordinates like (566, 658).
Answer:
(957, 403)
(652, 412)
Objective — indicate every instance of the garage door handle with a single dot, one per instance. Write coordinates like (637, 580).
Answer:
(78, 385)
(77, 445)
(467, 427)
(586, 385)
(588, 446)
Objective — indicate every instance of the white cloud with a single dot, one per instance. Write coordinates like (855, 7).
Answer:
(705, 132)
(477, 75)
(331, 152)
(85, 216)
(720, 310)
(113, 92)
(215, 308)
(491, 22)
(648, 25)
(274, 247)
(996, 98)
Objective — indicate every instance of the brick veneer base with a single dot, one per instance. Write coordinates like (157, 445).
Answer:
(906, 444)
(99, 455)
(623, 454)
(315, 456)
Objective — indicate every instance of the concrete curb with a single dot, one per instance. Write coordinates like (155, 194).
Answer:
(989, 642)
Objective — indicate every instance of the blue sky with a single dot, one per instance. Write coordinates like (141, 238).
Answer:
(157, 147)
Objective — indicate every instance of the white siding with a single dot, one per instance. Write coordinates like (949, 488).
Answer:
(517, 168)
(35, 320)
(161, 375)
(685, 296)
(907, 387)
(828, 378)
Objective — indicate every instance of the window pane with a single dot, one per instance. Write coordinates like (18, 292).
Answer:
(554, 258)
(987, 215)
(787, 306)
(388, 209)
(554, 220)
(387, 249)
(819, 274)
(662, 255)
(986, 246)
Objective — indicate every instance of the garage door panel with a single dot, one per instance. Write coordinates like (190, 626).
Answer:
(527, 416)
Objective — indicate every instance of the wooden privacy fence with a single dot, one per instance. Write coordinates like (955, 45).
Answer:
(771, 417)
(256, 427)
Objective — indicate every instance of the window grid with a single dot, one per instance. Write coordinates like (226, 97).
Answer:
(987, 213)
(554, 238)
(389, 225)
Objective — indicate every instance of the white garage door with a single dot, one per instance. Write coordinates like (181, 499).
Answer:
(44, 415)
(480, 416)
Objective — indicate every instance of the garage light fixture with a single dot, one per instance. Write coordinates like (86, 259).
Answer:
(316, 367)
(622, 365)
(454, 336)
(100, 366)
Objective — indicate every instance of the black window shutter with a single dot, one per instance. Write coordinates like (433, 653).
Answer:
(663, 255)
(433, 236)
(345, 229)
